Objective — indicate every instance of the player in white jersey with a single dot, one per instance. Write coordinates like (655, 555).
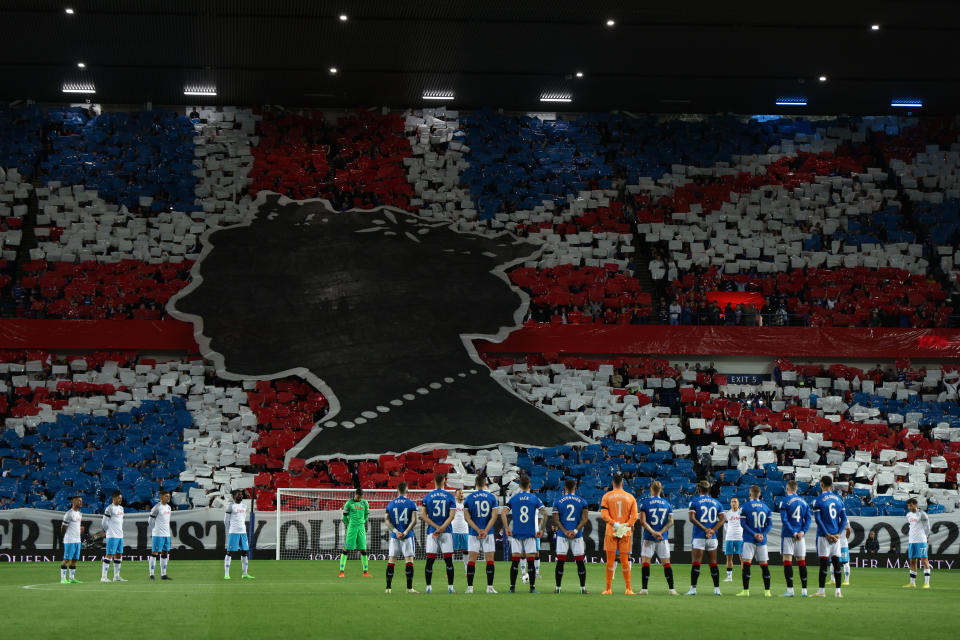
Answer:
(71, 529)
(844, 557)
(235, 520)
(459, 529)
(918, 534)
(160, 531)
(732, 536)
(112, 523)
(536, 563)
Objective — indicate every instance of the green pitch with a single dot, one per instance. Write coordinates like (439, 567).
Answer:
(306, 599)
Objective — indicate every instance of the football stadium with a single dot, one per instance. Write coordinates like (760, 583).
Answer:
(351, 319)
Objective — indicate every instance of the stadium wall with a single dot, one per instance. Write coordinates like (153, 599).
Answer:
(33, 535)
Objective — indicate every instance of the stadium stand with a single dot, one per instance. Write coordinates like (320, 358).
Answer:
(842, 222)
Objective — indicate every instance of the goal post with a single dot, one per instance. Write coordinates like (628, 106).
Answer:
(310, 522)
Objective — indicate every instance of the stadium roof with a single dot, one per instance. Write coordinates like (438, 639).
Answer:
(694, 56)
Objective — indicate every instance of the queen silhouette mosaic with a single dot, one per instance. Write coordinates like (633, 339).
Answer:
(378, 310)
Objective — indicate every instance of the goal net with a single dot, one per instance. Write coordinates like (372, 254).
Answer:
(310, 523)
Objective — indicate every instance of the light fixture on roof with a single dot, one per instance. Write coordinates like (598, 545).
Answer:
(874, 27)
(611, 22)
(81, 65)
(579, 74)
(791, 101)
(438, 95)
(343, 17)
(556, 97)
(333, 71)
(78, 87)
(822, 78)
(68, 11)
(194, 90)
(906, 102)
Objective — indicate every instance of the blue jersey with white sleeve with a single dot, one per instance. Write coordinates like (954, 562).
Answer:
(569, 509)
(657, 512)
(830, 515)
(523, 509)
(439, 504)
(707, 511)
(756, 517)
(795, 515)
(481, 505)
(400, 512)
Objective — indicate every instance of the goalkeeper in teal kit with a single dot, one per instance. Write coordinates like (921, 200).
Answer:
(355, 514)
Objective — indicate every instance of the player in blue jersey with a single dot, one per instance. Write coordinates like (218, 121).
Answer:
(480, 511)
(438, 509)
(831, 520)
(570, 516)
(757, 520)
(656, 519)
(522, 531)
(401, 518)
(706, 518)
(795, 516)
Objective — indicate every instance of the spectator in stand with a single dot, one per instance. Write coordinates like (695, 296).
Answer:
(872, 545)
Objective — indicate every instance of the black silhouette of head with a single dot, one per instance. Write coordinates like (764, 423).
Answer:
(371, 306)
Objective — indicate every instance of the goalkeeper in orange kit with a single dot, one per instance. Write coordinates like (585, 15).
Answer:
(619, 510)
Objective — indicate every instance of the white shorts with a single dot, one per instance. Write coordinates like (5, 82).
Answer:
(487, 545)
(751, 549)
(793, 547)
(523, 546)
(402, 548)
(827, 549)
(660, 548)
(442, 544)
(576, 546)
(707, 544)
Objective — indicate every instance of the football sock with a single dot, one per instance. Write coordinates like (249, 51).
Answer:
(802, 568)
(63, 572)
(926, 576)
(837, 571)
(694, 574)
(536, 565)
(765, 572)
(116, 568)
(668, 574)
(558, 572)
(582, 571)
(514, 570)
(824, 568)
(645, 574)
(788, 573)
(428, 570)
(471, 570)
(163, 564)
(532, 572)
(226, 563)
(104, 568)
(715, 574)
(343, 562)
(913, 577)
(449, 562)
(730, 574)
(73, 572)
(490, 571)
(625, 566)
(745, 574)
(611, 568)
(153, 563)
(365, 562)
(409, 572)
(389, 575)
(244, 563)
(846, 571)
